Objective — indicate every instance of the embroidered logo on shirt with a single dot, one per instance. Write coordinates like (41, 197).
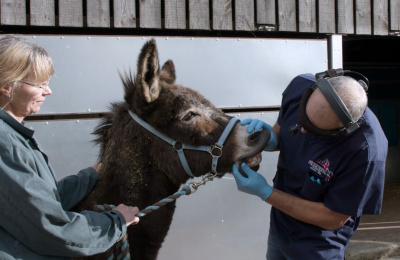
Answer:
(321, 167)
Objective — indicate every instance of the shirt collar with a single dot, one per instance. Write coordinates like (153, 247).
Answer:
(15, 124)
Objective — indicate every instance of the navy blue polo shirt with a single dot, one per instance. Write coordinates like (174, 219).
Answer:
(351, 170)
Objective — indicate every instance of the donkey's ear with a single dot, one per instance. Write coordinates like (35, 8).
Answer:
(167, 73)
(148, 71)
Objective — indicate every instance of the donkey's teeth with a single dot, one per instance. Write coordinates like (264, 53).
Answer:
(254, 161)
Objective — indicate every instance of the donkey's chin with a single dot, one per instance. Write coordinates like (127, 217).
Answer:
(253, 161)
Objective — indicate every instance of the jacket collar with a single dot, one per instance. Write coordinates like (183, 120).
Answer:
(15, 124)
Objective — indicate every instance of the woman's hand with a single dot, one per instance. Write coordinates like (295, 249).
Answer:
(97, 167)
(129, 214)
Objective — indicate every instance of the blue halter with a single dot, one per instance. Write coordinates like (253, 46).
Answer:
(214, 150)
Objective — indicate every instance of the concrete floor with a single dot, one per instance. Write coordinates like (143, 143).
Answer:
(378, 236)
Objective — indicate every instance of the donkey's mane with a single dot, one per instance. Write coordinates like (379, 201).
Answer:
(103, 127)
(102, 130)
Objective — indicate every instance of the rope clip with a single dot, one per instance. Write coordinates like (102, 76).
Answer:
(195, 185)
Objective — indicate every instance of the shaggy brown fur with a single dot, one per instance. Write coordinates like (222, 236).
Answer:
(139, 168)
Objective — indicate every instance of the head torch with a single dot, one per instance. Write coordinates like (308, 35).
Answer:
(349, 125)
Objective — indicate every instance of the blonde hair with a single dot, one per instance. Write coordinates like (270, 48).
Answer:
(19, 58)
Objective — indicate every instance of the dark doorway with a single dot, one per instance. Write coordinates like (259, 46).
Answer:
(379, 60)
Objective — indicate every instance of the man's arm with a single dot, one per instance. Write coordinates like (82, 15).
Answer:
(315, 213)
(311, 212)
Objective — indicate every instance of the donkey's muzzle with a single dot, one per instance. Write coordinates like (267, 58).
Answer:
(259, 137)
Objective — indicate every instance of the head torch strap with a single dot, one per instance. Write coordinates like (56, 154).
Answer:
(337, 105)
(329, 73)
(364, 82)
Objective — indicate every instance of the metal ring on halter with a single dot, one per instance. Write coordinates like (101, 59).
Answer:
(178, 145)
(215, 148)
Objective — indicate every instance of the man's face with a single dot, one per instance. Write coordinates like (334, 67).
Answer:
(320, 113)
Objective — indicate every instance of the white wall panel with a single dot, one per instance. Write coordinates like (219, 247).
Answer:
(229, 72)
(67, 143)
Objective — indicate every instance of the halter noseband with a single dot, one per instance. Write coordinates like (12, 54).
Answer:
(214, 150)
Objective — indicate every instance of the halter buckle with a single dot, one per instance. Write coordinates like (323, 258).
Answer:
(178, 145)
(216, 151)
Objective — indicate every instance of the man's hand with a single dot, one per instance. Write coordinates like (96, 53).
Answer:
(255, 125)
(254, 184)
(128, 213)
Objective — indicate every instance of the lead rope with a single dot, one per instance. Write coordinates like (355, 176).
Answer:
(186, 190)
(120, 250)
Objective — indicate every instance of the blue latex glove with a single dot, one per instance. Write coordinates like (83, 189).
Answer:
(255, 125)
(255, 184)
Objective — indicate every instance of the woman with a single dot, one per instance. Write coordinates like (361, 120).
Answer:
(35, 221)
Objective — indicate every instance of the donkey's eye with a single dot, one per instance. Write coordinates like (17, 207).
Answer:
(188, 116)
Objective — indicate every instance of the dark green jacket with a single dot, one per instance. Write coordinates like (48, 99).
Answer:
(34, 219)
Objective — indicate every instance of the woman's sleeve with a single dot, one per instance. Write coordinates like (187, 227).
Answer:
(74, 188)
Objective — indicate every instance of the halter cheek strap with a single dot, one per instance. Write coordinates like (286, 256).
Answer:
(214, 150)
(218, 146)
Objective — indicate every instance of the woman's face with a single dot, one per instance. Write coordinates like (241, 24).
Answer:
(27, 99)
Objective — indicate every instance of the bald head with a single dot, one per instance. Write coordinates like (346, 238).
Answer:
(321, 113)
(353, 96)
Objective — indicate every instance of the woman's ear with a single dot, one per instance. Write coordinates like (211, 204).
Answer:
(6, 90)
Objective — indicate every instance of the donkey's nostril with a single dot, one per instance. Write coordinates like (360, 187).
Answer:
(254, 136)
(259, 136)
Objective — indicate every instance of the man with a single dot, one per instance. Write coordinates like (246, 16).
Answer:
(328, 175)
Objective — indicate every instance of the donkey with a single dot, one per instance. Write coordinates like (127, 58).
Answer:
(139, 168)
